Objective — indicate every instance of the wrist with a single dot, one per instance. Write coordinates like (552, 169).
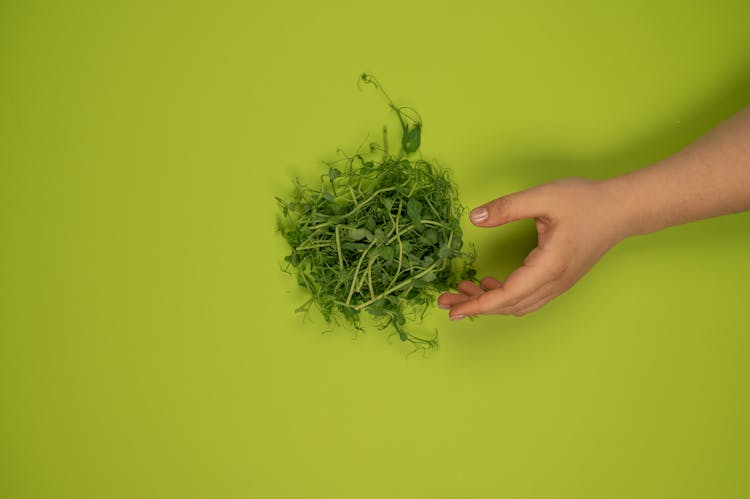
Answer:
(626, 208)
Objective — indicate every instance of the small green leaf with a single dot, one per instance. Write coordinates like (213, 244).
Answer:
(293, 236)
(356, 234)
(334, 173)
(429, 276)
(376, 311)
(414, 210)
(385, 252)
(389, 253)
(353, 246)
(417, 284)
(412, 138)
(349, 312)
(431, 235)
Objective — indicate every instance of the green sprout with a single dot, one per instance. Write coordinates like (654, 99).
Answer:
(379, 234)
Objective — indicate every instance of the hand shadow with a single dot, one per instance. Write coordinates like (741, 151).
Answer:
(651, 145)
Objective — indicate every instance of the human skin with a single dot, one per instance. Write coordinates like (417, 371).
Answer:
(578, 220)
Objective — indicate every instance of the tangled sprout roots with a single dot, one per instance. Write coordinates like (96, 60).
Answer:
(381, 235)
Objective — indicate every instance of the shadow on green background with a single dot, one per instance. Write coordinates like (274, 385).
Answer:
(644, 148)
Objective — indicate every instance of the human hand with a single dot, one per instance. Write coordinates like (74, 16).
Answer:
(576, 222)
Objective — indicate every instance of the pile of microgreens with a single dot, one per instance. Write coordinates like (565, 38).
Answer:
(380, 234)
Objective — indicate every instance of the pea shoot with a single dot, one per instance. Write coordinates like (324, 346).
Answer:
(379, 234)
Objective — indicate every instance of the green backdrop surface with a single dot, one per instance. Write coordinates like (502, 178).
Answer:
(148, 345)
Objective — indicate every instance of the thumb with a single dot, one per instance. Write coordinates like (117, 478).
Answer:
(516, 206)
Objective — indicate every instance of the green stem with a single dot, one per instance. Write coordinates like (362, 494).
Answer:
(435, 224)
(395, 288)
(354, 197)
(357, 208)
(406, 229)
(400, 246)
(369, 199)
(356, 272)
(313, 246)
(338, 248)
(369, 277)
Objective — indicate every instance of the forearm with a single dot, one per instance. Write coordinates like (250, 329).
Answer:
(711, 177)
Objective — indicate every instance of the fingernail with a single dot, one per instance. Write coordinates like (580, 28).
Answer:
(479, 215)
(457, 317)
(444, 307)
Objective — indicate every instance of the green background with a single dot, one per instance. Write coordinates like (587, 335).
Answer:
(148, 346)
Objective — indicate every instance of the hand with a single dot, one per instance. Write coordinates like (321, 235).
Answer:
(576, 224)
